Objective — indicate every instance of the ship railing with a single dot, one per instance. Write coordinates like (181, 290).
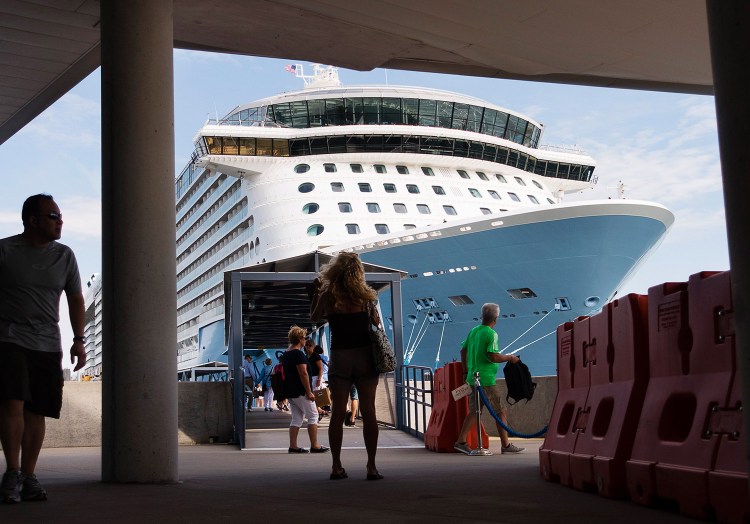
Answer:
(575, 149)
(414, 392)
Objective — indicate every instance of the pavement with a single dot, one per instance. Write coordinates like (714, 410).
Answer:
(265, 484)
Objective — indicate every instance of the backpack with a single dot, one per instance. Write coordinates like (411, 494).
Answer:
(518, 381)
(277, 380)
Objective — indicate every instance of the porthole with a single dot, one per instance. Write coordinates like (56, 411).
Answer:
(306, 187)
(310, 208)
(315, 230)
(301, 168)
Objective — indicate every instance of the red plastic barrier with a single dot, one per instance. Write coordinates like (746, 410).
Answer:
(448, 415)
(690, 375)
(574, 348)
(619, 375)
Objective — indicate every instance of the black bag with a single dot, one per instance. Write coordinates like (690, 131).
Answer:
(277, 380)
(518, 381)
(382, 351)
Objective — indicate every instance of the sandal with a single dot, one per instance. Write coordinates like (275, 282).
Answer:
(340, 475)
(375, 476)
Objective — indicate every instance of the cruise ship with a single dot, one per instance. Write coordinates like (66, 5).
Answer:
(453, 190)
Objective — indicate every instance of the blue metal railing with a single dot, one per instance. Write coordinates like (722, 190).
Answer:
(414, 392)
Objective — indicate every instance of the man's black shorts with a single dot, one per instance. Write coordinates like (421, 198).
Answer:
(35, 377)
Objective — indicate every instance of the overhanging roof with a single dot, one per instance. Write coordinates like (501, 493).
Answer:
(47, 47)
(270, 306)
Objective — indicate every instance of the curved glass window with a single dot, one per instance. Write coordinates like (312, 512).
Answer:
(301, 168)
(438, 190)
(520, 180)
(356, 168)
(494, 194)
(410, 226)
(345, 207)
(389, 111)
(315, 230)
(537, 184)
(501, 178)
(533, 199)
(424, 209)
(428, 171)
(337, 187)
(382, 229)
(475, 193)
(399, 208)
(449, 210)
(402, 170)
(352, 229)
(306, 187)
(389, 188)
(310, 208)
(329, 168)
(364, 187)
(482, 176)
(411, 188)
(380, 168)
(462, 173)
(550, 201)
(514, 197)
(485, 211)
(373, 207)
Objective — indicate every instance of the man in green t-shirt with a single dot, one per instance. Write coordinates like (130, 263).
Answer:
(479, 353)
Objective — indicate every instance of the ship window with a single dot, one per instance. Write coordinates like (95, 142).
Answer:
(485, 211)
(356, 168)
(475, 193)
(247, 146)
(329, 168)
(438, 190)
(345, 207)
(399, 208)
(306, 187)
(514, 197)
(373, 207)
(537, 184)
(402, 170)
(461, 300)
(301, 168)
(428, 171)
(314, 230)
(520, 180)
(264, 147)
(382, 229)
(533, 199)
(410, 226)
(337, 187)
(310, 208)
(424, 209)
(411, 188)
(494, 194)
(352, 229)
(364, 187)
(550, 201)
(449, 210)
(462, 173)
(502, 210)
(501, 178)
(521, 293)
(482, 176)
(380, 168)
(389, 188)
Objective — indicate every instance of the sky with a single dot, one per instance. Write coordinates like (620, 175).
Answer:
(662, 146)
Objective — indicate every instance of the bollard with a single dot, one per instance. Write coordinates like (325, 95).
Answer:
(480, 451)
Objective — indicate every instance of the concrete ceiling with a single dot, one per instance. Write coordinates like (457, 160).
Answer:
(48, 46)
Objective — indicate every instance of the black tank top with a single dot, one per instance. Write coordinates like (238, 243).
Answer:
(349, 330)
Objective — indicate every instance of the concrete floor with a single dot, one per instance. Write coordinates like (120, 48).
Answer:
(265, 484)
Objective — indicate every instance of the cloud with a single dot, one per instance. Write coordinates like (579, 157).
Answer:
(185, 56)
(73, 121)
(83, 217)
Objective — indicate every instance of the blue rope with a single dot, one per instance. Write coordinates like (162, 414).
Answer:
(502, 424)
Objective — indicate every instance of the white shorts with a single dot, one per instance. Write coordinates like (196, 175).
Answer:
(302, 409)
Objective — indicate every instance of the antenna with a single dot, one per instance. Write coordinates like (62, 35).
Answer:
(323, 76)
(386, 76)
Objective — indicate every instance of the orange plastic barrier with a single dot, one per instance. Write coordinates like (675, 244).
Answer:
(691, 373)
(618, 360)
(574, 350)
(448, 415)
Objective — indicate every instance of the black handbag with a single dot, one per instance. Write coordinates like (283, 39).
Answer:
(382, 351)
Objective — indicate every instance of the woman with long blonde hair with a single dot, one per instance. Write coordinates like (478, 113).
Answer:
(344, 299)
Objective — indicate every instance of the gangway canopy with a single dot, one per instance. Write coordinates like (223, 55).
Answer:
(263, 301)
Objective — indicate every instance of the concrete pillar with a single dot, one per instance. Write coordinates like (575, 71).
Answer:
(139, 412)
(729, 27)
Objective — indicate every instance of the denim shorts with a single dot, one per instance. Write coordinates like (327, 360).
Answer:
(35, 377)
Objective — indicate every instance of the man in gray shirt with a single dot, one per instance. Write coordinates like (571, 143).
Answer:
(34, 271)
